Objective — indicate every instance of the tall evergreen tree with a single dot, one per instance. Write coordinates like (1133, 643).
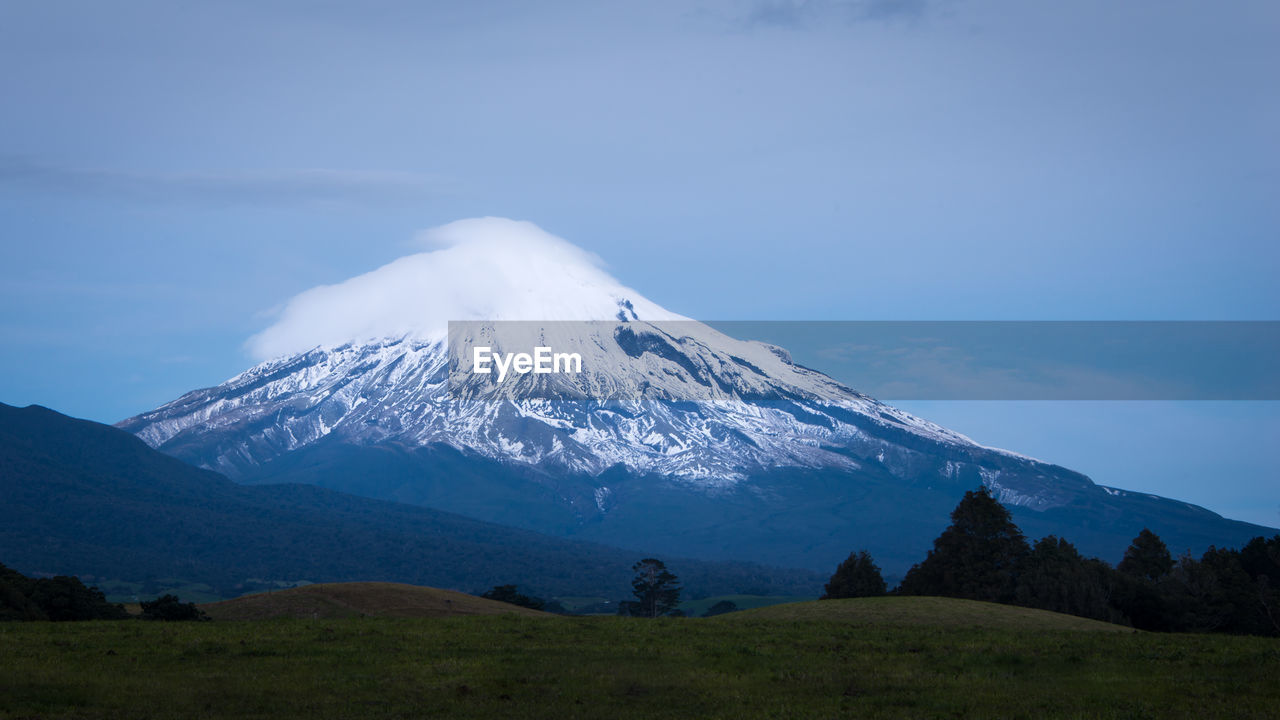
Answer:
(977, 557)
(1260, 558)
(1147, 557)
(1140, 596)
(657, 590)
(857, 576)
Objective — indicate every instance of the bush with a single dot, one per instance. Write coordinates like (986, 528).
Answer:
(857, 576)
(720, 608)
(169, 608)
(508, 594)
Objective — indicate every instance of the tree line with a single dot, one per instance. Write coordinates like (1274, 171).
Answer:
(656, 589)
(983, 555)
(65, 598)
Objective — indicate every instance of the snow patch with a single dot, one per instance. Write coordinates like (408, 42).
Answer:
(602, 494)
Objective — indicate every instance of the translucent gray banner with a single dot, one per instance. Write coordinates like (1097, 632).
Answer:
(889, 360)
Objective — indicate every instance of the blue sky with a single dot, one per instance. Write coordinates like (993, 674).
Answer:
(171, 172)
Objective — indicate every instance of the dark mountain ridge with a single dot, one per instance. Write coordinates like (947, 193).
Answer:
(79, 497)
(791, 517)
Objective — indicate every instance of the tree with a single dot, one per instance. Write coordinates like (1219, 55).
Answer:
(15, 600)
(857, 576)
(656, 589)
(56, 598)
(1226, 590)
(977, 557)
(1260, 558)
(170, 608)
(1056, 577)
(1147, 557)
(64, 597)
(1140, 596)
(508, 594)
(1195, 597)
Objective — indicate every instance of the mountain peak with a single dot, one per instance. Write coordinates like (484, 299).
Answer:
(476, 269)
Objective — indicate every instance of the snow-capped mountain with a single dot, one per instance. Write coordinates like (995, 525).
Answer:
(667, 416)
(657, 393)
(676, 399)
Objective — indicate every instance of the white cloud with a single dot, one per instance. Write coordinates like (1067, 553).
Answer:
(479, 269)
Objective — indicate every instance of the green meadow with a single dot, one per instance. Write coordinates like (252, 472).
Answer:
(884, 657)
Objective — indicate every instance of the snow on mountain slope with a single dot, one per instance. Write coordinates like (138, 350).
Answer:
(369, 361)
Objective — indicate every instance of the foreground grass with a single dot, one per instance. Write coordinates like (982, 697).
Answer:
(550, 667)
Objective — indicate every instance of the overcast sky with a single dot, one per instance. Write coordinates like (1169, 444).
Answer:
(172, 172)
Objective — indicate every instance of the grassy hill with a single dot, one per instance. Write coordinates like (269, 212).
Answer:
(359, 599)
(924, 612)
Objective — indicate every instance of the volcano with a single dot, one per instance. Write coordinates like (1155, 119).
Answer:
(671, 435)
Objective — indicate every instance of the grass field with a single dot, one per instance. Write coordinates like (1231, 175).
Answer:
(867, 659)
